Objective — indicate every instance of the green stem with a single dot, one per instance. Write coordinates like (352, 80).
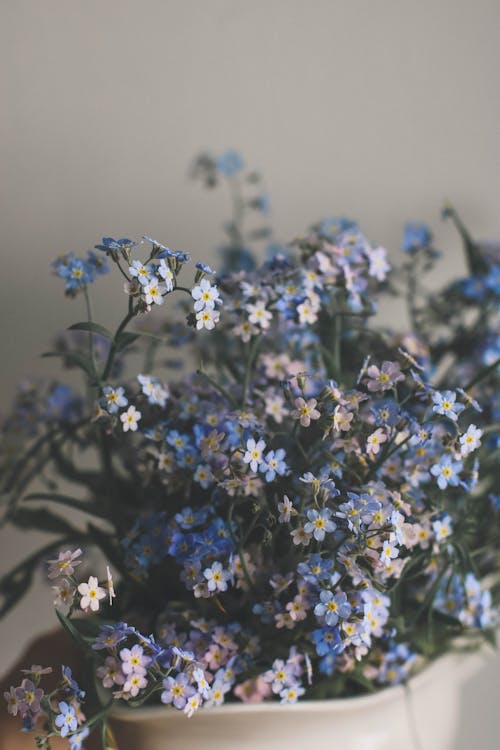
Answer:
(474, 260)
(254, 346)
(217, 387)
(112, 351)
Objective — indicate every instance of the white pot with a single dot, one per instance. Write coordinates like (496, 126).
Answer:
(422, 716)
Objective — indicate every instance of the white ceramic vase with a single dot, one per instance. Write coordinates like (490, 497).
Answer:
(422, 716)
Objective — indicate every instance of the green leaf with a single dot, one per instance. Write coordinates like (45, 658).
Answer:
(75, 359)
(124, 339)
(70, 628)
(108, 738)
(41, 520)
(360, 679)
(92, 328)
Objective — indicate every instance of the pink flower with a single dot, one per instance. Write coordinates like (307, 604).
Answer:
(384, 378)
(374, 441)
(305, 411)
(253, 691)
(65, 564)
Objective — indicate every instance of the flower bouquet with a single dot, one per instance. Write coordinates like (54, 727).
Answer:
(306, 513)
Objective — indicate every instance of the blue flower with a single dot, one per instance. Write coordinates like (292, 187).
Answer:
(75, 741)
(327, 664)
(319, 523)
(447, 472)
(142, 273)
(109, 244)
(111, 635)
(333, 226)
(177, 690)
(229, 163)
(70, 684)
(274, 464)
(315, 568)
(386, 412)
(188, 518)
(63, 403)
(445, 403)
(113, 399)
(327, 641)
(75, 272)
(493, 280)
(203, 267)
(416, 236)
(332, 607)
(99, 265)
(66, 720)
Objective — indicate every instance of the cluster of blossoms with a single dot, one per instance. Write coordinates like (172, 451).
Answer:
(61, 707)
(303, 516)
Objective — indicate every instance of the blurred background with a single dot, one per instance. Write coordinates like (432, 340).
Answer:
(375, 109)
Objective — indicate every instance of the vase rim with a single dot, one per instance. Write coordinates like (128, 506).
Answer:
(147, 713)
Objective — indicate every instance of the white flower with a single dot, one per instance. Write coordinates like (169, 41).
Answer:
(286, 509)
(389, 552)
(205, 295)
(217, 577)
(207, 318)
(130, 418)
(300, 536)
(166, 274)
(258, 315)
(308, 311)
(470, 440)
(65, 593)
(203, 475)
(153, 292)
(253, 455)
(374, 441)
(91, 594)
(442, 528)
(134, 660)
(111, 588)
(192, 705)
(134, 683)
(342, 419)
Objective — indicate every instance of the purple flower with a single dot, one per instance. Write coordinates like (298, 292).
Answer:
(280, 676)
(177, 690)
(385, 378)
(28, 697)
(111, 635)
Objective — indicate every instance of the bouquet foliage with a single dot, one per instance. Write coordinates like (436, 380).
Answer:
(309, 511)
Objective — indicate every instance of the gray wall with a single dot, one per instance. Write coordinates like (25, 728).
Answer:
(378, 109)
